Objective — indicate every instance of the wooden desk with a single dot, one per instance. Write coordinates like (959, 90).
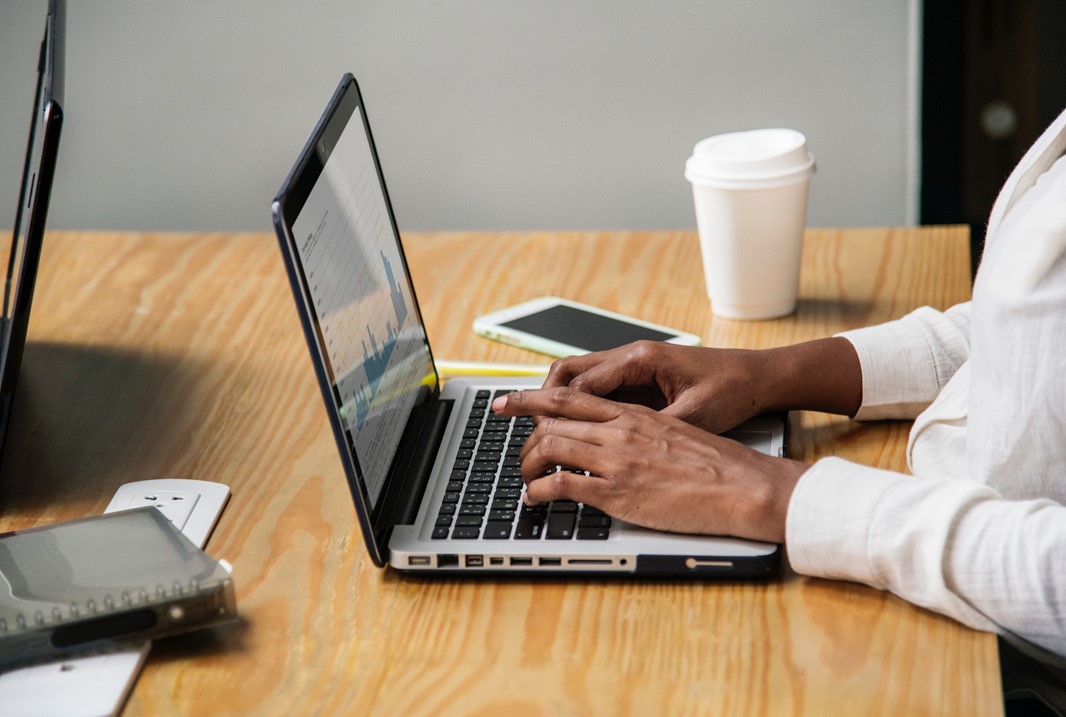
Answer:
(180, 355)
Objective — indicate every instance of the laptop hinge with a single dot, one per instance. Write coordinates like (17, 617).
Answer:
(414, 462)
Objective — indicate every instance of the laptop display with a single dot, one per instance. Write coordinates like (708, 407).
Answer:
(434, 474)
(35, 190)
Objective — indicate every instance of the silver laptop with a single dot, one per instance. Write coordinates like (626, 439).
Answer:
(434, 474)
(35, 190)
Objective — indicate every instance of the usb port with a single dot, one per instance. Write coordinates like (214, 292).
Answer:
(419, 561)
(551, 562)
(521, 562)
(495, 561)
(474, 561)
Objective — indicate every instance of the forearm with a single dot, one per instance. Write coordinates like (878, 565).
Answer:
(954, 546)
(821, 375)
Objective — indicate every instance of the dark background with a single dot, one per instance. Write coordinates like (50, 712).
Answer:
(993, 78)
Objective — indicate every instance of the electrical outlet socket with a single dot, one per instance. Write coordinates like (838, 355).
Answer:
(192, 505)
(176, 505)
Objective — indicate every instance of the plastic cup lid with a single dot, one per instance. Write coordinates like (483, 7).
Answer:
(752, 159)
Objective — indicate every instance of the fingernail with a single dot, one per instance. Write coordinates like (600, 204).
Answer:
(499, 403)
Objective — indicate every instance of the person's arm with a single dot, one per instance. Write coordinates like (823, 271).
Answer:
(956, 547)
(716, 389)
(906, 362)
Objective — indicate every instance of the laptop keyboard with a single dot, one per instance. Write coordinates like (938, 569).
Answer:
(484, 493)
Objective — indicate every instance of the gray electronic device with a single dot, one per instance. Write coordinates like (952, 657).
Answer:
(91, 584)
(38, 171)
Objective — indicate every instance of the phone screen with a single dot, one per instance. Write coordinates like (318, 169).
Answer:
(582, 329)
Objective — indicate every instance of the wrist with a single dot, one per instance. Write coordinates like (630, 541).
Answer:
(821, 375)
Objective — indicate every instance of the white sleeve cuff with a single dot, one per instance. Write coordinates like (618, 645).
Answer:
(905, 363)
(829, 519)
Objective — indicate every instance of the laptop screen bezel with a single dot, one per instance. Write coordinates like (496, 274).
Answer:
(287, 206)
(35, 190)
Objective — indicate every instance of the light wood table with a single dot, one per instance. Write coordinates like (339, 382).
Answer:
(155, 355)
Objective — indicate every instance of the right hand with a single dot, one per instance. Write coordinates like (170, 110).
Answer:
(714, 389)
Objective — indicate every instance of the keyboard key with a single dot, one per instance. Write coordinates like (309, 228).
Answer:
(564, 506)
(468, 521)
(472, 510)
(505, 504)
(440, 533)
(594, 521)
(507, 515)
(540, 510)
(497, 530)
(444, 521)
(529, 528)
(593, 533)
(465, 533)
(475, 498)
(451, 497)
(447, 509)
(560, 526)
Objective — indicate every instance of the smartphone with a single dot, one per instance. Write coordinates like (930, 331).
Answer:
(558, 327)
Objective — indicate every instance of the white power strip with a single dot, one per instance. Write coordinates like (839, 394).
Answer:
(97, 686)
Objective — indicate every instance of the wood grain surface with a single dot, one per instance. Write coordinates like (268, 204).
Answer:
(156, 355)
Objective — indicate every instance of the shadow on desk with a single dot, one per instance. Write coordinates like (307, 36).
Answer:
(87, 419)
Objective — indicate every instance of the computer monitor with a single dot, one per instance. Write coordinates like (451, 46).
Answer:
(35, 190)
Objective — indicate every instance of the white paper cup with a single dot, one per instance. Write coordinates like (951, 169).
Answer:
(750, 191)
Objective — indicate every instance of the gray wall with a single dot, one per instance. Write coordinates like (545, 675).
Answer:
(488, 114)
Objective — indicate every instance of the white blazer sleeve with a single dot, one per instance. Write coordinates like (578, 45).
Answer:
(955, 547)
(905, 363)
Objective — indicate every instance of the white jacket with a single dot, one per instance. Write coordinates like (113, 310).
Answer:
(979, 532)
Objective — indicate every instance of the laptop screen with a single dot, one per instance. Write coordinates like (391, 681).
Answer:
(34, 192)
(354, 274)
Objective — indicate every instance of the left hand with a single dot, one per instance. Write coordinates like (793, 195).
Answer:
(648, 468)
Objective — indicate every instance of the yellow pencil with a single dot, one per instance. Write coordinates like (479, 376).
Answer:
(448, 368)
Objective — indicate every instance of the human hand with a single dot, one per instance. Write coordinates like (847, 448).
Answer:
(714, 389)
(718, 389)
(649, 468)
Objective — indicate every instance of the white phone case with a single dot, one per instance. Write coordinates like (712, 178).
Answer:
(492, 326)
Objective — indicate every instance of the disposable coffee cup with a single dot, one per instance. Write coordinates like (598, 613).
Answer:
(750, 190)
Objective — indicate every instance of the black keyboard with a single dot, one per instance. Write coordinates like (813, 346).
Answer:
(484, 493)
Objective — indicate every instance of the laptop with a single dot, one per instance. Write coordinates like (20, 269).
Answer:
(35, 189)
(433, 472)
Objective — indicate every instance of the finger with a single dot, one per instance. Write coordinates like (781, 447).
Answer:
(561, 402)
(564, 485)
(547, 451)
(563, 371)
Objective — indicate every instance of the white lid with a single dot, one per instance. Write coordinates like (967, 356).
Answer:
(751, 160)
